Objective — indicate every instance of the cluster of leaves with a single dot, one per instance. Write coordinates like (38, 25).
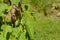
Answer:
(23, 31)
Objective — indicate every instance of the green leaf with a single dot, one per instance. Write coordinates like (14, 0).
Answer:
(17, 31)
(2, 9)
(6, 28)
(30, 23)
(22, 36)
(9, 8)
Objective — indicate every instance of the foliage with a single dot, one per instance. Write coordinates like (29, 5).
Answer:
(14, 1)
(32, 25)
(23, 31)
